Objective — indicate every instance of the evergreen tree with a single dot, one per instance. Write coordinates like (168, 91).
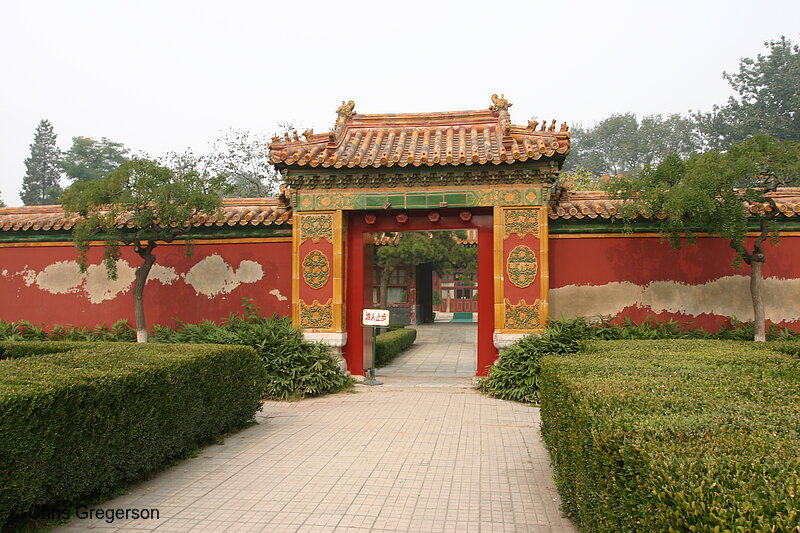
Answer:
(40, 186)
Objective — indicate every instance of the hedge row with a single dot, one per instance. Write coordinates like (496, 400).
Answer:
(390, 344)
(17, 350)
(675, 436)
(82, 422)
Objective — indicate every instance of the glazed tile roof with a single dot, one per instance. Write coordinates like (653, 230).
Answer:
(272, 211)
(597, 204)
(235, 212)
(419, 139)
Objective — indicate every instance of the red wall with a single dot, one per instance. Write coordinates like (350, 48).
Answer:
(163, 302)
(574, 263)
(597, 261)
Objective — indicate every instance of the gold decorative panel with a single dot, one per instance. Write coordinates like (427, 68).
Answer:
(316, 227)
(522, 266)
(522, 222)
(316, 315)
(316, 269)
(522, 316)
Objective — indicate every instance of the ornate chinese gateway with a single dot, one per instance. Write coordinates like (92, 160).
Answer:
(464, 169)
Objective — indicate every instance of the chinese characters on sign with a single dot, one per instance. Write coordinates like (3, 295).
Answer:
(375, 317)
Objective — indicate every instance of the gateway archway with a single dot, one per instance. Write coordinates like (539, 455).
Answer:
(359, 267)
(399, 172)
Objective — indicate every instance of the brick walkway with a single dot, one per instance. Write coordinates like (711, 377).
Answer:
(422, 453)
(441, 349)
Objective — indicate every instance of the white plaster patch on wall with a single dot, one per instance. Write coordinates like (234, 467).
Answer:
(277, 294)
(726, 296)
(166, 275)
(28, 276)
(62, 277)
(5, 273)
(249, 272)
(213, 276)
(99, 288)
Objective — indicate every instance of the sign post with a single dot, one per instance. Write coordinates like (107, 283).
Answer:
(374, 318)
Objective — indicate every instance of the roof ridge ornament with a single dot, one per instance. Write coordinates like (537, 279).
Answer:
(346, 110)
(499, 104)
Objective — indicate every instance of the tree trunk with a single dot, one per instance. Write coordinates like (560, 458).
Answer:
(383, 296)
(138, 294)
(757, 292)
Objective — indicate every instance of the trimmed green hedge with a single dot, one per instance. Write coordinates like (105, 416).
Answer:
(82, 422)
(390, 344)
(675, 435)
(17, 350)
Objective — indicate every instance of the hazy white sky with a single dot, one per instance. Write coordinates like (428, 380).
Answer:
(167, 75)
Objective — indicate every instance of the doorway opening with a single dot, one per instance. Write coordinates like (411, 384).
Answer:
(411, 295)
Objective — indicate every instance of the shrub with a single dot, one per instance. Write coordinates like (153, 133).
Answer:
(24, 330)
(294, 368)
(82, 422)
(515, 374)
(17, 350)
(390, 344)
(675, 435)
(791, 347)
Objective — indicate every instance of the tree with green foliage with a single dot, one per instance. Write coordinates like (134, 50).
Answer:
(722, 193)
(241, 157)
(156, 204)
(623, 143)
(581, 179)
(439, 248)
(244, 158)
(90, 160)
(2, 204)
(768, 99)
(41, 186)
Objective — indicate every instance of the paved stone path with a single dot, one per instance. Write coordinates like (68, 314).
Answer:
(424, 453)
(441, 349)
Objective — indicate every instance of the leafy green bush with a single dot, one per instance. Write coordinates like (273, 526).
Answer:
(390, 344)
(295, 368)
(24, 330)
(790, 347)
(515, 374)
(675, 435)
(84, 421)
